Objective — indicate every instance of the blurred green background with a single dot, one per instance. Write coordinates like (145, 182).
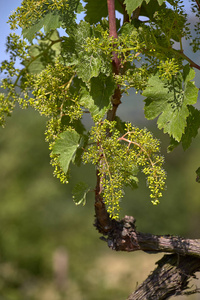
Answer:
(49, 249)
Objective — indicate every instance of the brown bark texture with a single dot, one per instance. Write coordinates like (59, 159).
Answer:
(170, 278)
(174, 271)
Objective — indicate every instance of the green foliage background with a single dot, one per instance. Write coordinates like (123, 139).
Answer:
(38, 217)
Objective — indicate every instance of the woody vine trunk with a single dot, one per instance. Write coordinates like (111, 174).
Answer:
(174, 271)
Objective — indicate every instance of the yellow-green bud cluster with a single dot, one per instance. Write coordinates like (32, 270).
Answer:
(117, 157)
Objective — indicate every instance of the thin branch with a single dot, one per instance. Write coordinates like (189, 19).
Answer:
(113, 33)
(197, 2)
(116, 99)
(191, 62)
(112, 19)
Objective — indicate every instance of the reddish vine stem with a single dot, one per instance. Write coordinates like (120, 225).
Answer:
(197, 2)
(116, 99)
(191, 62)
(113, 33)
(112, 20)
(103, 222)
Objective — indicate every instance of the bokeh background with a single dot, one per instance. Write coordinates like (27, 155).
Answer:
(49, 249)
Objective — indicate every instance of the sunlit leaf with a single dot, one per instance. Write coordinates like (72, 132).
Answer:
(79, 193)
(169, 102)
(66, 146)
(97, 99)
(51, 21)
(132, 5)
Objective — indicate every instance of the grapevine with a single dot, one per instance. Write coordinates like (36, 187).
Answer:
(117, 156)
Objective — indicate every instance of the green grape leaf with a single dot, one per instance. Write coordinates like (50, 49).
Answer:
(98, 9)
(89, 67)
(79, 153)
(188, 73)
(95, 10)
(132, 182)
(88, 64)
(169, 102)
(149, 9)
(50, 21)
(76, 124)
(132, 5)
(132, 179)
(56, 18)
(79, 192)
(43, 53)
(120, 125)
(172, 145)
(161, 2)
(97, 99)
(102, 88)
(80, 8)
(70, 55)
(74, 45)
(191, 130)
(80, 129)
(193, 124)
(66, 146)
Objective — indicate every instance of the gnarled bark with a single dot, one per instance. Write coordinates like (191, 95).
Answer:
(170, 278)
(174, 271)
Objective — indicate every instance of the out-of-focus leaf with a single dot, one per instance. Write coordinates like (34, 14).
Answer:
(43, 53)
(51, 21)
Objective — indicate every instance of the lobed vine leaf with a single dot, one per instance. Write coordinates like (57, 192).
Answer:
(149, 9)
(88, 63)
(169, 102)
(191, 130)
(133, 5)
(193, 124)
(50, 21)
(96, 10)
(161, 2)
(79, 192)
(66, 146)
(90, 67)
(97, 98)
